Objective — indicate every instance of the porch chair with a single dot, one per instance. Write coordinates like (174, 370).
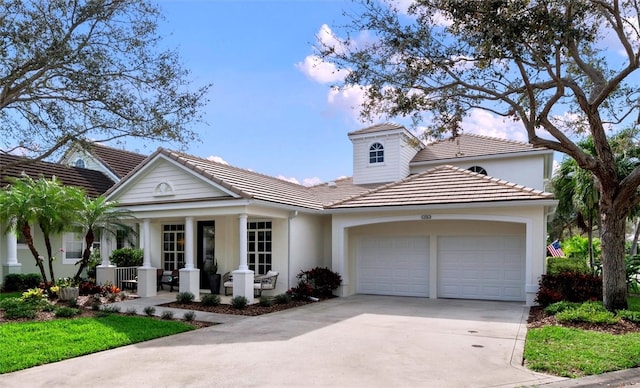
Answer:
(266, 282)
(172, 280)
(261, 283)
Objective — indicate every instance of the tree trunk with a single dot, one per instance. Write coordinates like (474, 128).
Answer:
(47, 243)
(89, 238)
(634, 246)
(26, 233)
(612, 237)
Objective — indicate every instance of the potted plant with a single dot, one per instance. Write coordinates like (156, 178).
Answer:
(67, 289)
(214, 276)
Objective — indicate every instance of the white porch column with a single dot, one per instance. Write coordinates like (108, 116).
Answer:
(243, 276)
(105, 272)
(11, 265)
(147, 280)
(189, 276)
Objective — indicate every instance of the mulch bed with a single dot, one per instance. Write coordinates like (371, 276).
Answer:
(539, 318)
(250, 310)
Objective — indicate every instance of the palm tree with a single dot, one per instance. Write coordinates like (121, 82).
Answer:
(17, 209)
(56, 207)
(99, 215)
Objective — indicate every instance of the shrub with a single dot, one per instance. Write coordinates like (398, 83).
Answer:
(66, 312)
(90, 288)
(282, 299)
(590, 312)
(632, 271)
(149, 310)
(557, 265)
(73, 302)
(22, 310)
(127, 257)
(130, 311)
(628, 315)
(239, 302)
(210, 300)
(265, 301)
(321, 282)
(21, 282)
(167, 315)
(33, 295)
(302, 292)
(568, 286)
(111, 309)
(189, 316)
(557, 307)
(185, 297)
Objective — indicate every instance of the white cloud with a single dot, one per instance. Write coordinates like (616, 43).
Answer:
(290, 179)
(348, 100)
(217, 159)
(311, 181)
(320, 71)
(482, 122)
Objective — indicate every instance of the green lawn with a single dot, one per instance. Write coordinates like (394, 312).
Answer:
(27, 344)
(574, 353)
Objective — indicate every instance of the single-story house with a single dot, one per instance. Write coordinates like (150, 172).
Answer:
(457, 218)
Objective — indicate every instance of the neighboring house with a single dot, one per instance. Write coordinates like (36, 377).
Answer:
(463, 218)
(15, 256)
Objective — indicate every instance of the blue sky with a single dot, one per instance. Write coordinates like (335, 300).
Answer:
(270, 109)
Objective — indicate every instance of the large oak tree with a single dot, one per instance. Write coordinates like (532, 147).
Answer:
(562, 68)
(72, 70)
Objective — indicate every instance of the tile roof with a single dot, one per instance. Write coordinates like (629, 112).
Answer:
(120, 162)
(249, 184)
(442, 185)
(93, 182)
(470, 145)
(339, 189)
(377, 128)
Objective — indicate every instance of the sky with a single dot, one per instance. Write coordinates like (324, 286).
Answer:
(272, 109)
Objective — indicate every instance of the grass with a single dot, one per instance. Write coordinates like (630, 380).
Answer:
(574, 353)
(27, 344)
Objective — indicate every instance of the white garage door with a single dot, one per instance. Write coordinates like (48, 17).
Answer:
(392, 266)
(481, 267)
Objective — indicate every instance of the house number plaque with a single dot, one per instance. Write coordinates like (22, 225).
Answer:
(426, 216)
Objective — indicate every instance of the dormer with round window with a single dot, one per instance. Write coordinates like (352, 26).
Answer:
(382, 153)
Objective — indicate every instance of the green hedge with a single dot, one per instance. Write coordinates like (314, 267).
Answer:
(558, 265)
(21, 282)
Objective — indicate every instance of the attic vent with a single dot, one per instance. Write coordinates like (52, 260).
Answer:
(163, 188)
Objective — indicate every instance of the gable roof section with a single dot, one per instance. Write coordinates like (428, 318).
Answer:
(93, 182)
(120, 162)
(249, 184)
(442, 185)
(377, 128)
(471, 145)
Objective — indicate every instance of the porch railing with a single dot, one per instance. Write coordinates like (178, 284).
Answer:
(125, 273)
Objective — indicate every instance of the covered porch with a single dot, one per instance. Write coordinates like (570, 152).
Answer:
(246, 242)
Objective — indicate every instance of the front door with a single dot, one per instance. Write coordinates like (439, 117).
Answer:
(206, 250)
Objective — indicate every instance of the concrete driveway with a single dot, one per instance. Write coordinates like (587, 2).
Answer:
(358, 341)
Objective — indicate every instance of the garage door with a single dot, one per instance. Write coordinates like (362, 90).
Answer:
(481, 267)
(392, 266)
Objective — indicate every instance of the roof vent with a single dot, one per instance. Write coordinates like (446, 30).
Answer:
(331, 184)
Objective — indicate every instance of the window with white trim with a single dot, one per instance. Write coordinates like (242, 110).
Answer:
(376, 153)
(73, 246)
(172, 246)
(259, 246)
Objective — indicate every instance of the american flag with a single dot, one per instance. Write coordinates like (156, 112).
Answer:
(554, 249)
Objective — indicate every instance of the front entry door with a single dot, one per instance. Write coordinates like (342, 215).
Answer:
(206, 250)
